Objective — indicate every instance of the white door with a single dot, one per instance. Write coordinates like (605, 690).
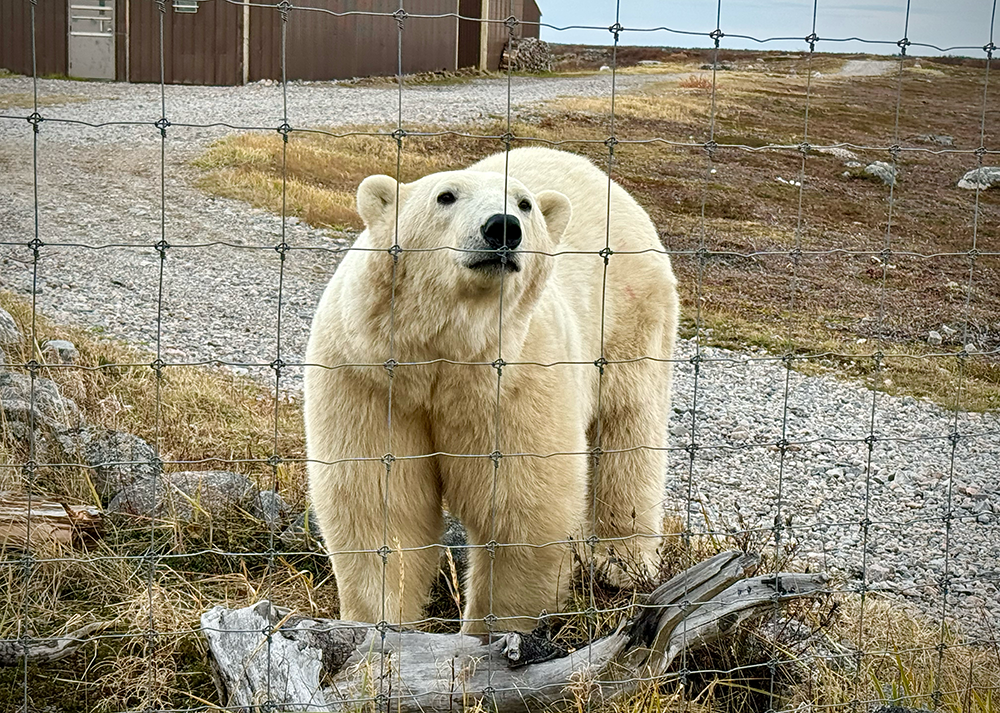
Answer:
(92, 39)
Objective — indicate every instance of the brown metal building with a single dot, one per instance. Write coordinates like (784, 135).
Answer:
(226, 42)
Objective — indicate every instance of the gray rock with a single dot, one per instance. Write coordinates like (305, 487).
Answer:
(980, 178)
(185, 495)
(38, 411)
(60, 351)
(9, 333)
(270, 507)
(933, 338)
(838, 152)
(883, 171)
(117, 459)
(940, 139)
(303, 533)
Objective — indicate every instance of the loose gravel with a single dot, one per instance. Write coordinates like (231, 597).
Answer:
(99, 216)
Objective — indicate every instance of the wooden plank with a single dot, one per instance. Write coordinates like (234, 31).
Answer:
(42, 521)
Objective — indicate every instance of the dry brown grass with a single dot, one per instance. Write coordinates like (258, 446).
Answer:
(11, 100)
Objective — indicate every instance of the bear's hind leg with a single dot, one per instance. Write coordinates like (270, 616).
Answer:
(629, 479)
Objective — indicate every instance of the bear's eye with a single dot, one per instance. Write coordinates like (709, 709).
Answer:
(524, 205)
(446, 198)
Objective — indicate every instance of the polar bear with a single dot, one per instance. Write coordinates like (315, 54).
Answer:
(498, 340)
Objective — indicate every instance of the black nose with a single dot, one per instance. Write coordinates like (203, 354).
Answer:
(501, 229)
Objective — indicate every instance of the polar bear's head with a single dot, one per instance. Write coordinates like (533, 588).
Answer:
(481, 229)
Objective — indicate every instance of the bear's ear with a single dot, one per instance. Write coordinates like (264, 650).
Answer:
(376, 195)
(556, 210)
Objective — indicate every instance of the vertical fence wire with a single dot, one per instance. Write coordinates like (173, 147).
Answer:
(795, 257)
(877, 364)
(27, 560)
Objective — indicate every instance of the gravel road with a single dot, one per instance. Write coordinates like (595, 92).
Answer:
(99, 197)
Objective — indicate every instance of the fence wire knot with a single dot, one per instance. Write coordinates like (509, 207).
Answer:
(596, 452)
(387, 460)
(812, 39)
(489, 691)
(903, 44)
(395, 251)
(954, 437)
(980, 152)
(33, 367)
(507, 138)
(691, 449)
(34, 244)
(870, 441)
(27, 565)
(511, 22)
(606, 253)
(787, 359)
(611, 142)
(710, 147)
(390, 366)
(35, 119)
(593, 541)
(284, 7)
(278, 364)
(988, 49)
(490, 620)
(717, 34)
(284, 128)
(894, 151)
(282, 248)
(491, 547)
(499, 364)
(495, 456)
(382, 627)
(400, 16)
(157, 365)
(782, 445)
(398, 135)
(161, 247)
(600, 363)
(162, 123)
(616, 30)
(384, 551)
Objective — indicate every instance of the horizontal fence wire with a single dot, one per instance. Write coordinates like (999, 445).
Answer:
(156, 563)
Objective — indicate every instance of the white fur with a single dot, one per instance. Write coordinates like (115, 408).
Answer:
(427, 306)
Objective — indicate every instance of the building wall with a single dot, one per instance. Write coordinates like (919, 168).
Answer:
(326, 46)
(50, 36)
(205, 47)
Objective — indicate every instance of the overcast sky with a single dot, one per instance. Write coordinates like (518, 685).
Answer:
(945, 23)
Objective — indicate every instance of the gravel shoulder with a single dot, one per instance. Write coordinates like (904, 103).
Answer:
(99, 216)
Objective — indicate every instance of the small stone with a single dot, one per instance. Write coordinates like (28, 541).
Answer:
(182, 496)
(10, 335)
(60, 351)
(270, 507)
(933, 338)
(116, 459)
(883, 171)
(980, 178)
(303, 532)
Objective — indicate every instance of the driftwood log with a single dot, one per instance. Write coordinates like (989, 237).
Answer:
(13, 652)
(265, 655)
(49, 521)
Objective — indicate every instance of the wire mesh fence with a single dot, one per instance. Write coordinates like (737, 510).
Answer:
(876, 637)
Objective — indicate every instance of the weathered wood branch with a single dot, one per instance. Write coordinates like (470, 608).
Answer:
(12, 653)
(264, 654)
(49, 521)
